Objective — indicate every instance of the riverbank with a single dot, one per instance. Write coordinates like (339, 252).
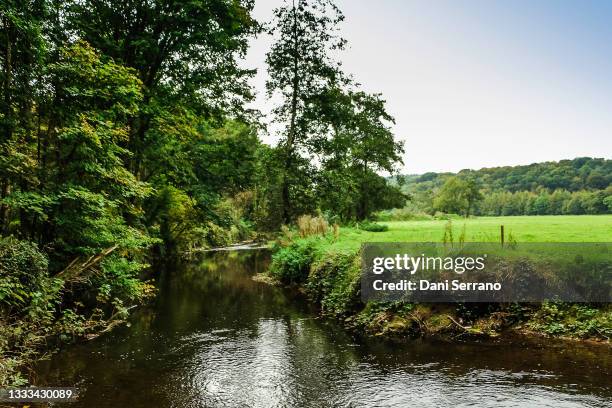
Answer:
(41, 311)
(327, 268)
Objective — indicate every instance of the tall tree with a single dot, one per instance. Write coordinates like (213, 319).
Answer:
(185, 52)
(300, 66)
(22, 51)
(76, 196)
(356, 143)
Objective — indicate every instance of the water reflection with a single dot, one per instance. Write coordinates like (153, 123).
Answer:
(216, 338)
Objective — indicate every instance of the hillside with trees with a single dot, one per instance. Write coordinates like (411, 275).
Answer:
(579, 186)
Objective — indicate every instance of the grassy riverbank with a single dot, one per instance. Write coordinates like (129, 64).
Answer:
(327, 267)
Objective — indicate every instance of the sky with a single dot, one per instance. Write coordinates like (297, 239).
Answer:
(475, 84)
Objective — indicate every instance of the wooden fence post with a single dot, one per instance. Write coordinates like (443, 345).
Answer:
(502, 234)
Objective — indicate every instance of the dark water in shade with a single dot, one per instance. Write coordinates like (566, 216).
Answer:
(216, 338)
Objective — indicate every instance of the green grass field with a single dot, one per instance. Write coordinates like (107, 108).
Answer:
(552, 228)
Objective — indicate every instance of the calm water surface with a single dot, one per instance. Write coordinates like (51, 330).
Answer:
(216, 338)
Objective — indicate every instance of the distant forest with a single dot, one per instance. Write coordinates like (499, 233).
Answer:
(579, 186)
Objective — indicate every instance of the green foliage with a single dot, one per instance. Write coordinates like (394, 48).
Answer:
(198, 181)
(121, 127)
(267, 195)
(457, 196)
(185, 52)
(575, 320)
(268, 180)
(334, 283)
(301, 64)
(291, 264)
(224, 157)
(373, 227)
(189, 140)
(325, 115)
(331, 279)
(559, 202)
(578, 186)
(119, 281)
(78, 194)
(608, 202)
(36, 309)
(583, 173)
(356, 143)
(25, 287)
(28, 301)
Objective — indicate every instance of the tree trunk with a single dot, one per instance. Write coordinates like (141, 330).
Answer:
(291, 134)
(362, 208)
(8, 70)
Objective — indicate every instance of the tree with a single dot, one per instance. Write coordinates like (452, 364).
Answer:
(355, 143)
(598, 180)
(185, 53)
(83, 189)
(300, 66)
(217, 162)
(472, 195)
(457, 196)
(22, 52)
(608, 202)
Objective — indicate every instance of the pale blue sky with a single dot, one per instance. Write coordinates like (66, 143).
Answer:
(479, 83)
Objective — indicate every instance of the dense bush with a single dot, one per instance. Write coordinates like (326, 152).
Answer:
(28, 300)
(25, 287)
(36, 308)
(291, 264)
(402, 214)
(373, 227)
(334, 283)
(331, 280)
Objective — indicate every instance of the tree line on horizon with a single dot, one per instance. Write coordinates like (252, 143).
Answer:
(568, 187)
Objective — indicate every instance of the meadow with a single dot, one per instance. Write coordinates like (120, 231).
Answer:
(545, 228)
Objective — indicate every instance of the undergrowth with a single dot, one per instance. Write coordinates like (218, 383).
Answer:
(39, 311)
(331, 279)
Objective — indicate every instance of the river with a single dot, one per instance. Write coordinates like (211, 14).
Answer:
(216, 338)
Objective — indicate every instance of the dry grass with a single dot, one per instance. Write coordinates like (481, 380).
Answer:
(336, 229)
(309, 225)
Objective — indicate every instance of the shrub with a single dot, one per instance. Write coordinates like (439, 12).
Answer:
(402, 214)
(291, 264)
(373, 227)
(217, 236)
(25, 287)
(28, 299)
(118, 280)
(334, 282)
